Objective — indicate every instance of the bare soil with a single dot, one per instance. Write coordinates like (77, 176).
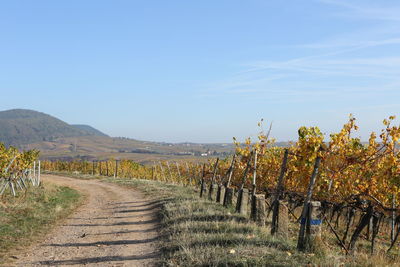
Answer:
(116, 226)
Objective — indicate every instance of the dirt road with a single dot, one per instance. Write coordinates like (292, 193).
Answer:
(115, 227)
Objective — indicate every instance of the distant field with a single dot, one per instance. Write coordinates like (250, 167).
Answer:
(99, 147)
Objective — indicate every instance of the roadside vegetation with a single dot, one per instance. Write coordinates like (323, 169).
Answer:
(29, 216)
(198, 232)
(202, 233)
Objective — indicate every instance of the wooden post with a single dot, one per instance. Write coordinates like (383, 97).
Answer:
(155, 171)
(255, 174)
(243, 193)
(228, 199)
(212, 185)
(38, 177)
(215, 170)
(203, 185)
(194, 175)
(100, 167)
(177, 168)
(243, 201)
(218, 198)
(282, 221)
(221, 194)
(179, 172)
(226, 196)
(305, 219)
(255, 203)
(246, 171)
(187, 169)
(258, 209)
(200, 173)
(278, 193)
(116, 169)
(162, 172)
(107, 168)
(93, 168)
(230, 171)
(313, 229)
(188, 176)
(169, 171)
(213, 192)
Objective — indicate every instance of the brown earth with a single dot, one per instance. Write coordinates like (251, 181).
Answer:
(116, 226)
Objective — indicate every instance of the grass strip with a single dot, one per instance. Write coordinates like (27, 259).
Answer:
(29, 216)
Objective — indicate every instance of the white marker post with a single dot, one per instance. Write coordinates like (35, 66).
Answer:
(34, 174)
(38, 183)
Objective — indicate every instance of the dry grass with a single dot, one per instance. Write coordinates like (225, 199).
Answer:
(29, 216)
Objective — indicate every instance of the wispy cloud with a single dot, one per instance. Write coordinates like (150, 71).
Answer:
(351, 44)
(367, 9)
(374, 67)
(320, 76)
(352, 63)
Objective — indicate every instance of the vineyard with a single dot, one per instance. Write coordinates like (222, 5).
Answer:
(18, 170)
(343, 184)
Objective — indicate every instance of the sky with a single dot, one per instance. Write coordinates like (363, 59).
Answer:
(202, 71)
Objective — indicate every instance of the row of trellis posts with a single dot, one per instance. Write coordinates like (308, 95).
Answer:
(248, 202)
(259, 206)
(19, 180)
(97, 167)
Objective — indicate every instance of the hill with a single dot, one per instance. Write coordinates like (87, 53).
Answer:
(22, 126)
(56, 139)
(89, 129)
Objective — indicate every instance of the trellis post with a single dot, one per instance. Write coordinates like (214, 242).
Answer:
(304, 241)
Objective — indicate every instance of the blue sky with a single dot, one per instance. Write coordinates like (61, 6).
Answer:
(202, 71)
